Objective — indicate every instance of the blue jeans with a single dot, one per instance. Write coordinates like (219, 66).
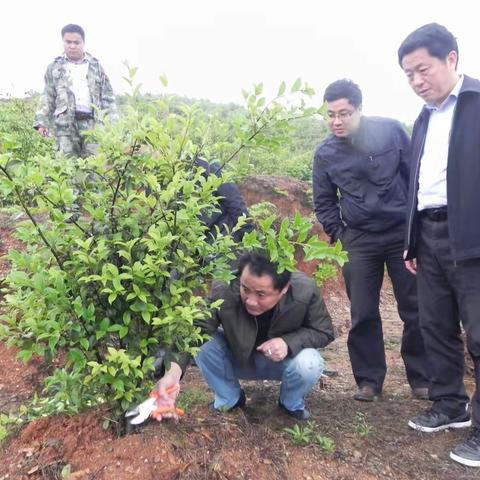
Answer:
(220, 370)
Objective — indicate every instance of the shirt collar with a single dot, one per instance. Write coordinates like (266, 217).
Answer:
(84, 60)
(453, 96)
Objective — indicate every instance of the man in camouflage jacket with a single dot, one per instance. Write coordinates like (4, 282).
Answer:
(77, 94)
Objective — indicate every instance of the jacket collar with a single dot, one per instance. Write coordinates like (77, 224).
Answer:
(470, 85)
(88, 57)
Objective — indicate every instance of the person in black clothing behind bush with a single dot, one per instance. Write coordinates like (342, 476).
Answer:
(360, 178)
(231, 206)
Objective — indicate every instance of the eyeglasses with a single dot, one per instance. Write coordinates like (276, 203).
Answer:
(342, 115)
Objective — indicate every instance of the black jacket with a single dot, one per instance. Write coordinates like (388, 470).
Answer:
(361, 182)
(231, 206)
(463, 175)
(301, 318)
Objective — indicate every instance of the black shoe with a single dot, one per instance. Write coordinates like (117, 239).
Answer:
(468, 452)
(242, 400)
(367, 394)
(435, 421)
(301, 415)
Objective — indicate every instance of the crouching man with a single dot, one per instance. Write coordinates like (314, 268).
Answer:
(269, 327)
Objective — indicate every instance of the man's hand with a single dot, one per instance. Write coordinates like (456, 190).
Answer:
(43, 131)
(410, 265)
(166, 391)
(274, 349)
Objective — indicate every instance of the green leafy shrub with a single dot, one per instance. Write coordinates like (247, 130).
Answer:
(117, 260)
(18, 139)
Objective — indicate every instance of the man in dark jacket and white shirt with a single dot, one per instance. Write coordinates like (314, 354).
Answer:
(268, 327)
(443, 227)
(360, 178)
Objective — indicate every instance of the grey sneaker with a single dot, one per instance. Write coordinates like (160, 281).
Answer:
(468, 452)
(434, 421)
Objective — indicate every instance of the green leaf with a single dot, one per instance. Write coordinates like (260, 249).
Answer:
(164, 80)
(123, 332)
(296, 86)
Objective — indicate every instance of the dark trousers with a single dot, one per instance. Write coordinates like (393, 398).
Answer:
(368, 254)
(448, 292)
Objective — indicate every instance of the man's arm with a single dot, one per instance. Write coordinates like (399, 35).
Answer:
(404, 147)
(317, 328)
(46, 106)
(168, 387)
(108, 105)
(325, 200)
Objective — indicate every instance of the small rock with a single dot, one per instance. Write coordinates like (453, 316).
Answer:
(357, 456)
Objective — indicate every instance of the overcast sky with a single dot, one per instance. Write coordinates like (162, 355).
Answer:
(213, 48)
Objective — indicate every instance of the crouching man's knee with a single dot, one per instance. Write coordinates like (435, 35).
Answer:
(308, 364)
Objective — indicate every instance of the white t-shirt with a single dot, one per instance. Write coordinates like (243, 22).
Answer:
(78, 75)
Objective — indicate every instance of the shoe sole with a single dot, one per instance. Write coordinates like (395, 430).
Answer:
(420, 397)
(359, 398)
(421, 428)
(465, 461)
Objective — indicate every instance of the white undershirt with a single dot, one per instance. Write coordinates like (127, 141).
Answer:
(432, 190)
(78, 75)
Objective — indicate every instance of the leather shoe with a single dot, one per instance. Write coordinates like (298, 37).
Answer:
(420, 393)
(367, 394)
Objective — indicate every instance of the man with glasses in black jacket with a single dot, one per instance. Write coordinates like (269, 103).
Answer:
(360, 178)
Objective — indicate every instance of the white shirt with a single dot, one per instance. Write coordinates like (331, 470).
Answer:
(432, 189)
(78, 75)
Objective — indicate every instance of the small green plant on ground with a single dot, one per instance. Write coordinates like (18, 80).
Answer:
(362, 428)
(9, 422)
(302, 434)
(305, 434)
(327, 444)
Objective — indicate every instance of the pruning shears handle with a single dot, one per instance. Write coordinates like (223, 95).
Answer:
(141, 413)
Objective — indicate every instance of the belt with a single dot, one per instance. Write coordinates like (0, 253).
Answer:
(438, 214)
(83, 116)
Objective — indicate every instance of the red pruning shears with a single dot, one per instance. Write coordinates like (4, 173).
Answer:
(141, 413)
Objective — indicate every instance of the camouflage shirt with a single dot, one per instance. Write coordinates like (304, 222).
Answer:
(57, 104)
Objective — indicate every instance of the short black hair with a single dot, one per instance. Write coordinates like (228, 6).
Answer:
(72, 28)
(260, 264)
(344, 88)
(438, 41)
